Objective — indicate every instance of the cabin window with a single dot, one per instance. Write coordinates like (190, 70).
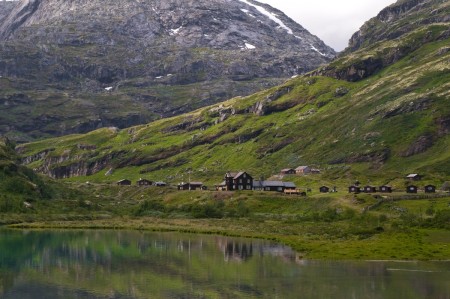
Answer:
(240, 181)
(249, 187)
(241, 187)
(280, 189)
(267, 188)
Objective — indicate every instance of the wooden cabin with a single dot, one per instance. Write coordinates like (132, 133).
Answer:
(190, 186)
(385, 189)
(124, 182)
(160, 184)
(411, 189)
(430, 189)
(324, 189)
(354, 189)
(414, 177)
(287, 171)
(144, 182)
(303, 170)
(289, 186)
(369, 189)
(238, 181)
(274, 186)
(277, 186)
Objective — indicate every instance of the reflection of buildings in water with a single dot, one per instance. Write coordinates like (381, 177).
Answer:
(235, 250)
(238, 251)
(283, 252)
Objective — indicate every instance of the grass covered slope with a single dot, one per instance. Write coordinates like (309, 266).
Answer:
(18, 183)
(380, 128)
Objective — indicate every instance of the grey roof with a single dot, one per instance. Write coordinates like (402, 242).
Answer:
(264, 184)
(231, 174)
(289, 185)
(301, 167)
(235, 175)
(239, 174)
(412, 175)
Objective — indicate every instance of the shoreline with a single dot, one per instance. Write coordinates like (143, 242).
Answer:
(388, 246)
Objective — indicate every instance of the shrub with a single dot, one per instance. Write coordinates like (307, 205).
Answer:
(149, 206)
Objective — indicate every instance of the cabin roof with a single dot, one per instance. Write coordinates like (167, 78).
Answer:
(412, 175)
(301, 167)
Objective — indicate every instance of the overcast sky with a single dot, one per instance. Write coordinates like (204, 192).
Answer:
(333, 21)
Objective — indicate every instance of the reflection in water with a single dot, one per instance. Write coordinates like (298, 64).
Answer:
(121, 264)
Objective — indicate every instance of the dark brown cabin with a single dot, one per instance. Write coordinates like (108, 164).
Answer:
(354, 189)
(275, 186)
(190, 186)
(370, 189)
(385, 189)
(411, 189)
(324, 189)
(238, 181)
(124, 183)
(144, 182)
(287, 171)
(430, 189)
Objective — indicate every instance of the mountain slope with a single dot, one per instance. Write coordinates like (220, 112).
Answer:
(381, 126)
(396, 32)
(6, 8)
(18, 183)
(82, 65)
(398, 19)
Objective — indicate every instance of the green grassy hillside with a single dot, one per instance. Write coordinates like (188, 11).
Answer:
(18, 183)
(377, 130)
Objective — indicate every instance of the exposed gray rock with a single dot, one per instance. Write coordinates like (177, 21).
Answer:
(225, 47)
(398, 19)
(419, 146)
(5, 9)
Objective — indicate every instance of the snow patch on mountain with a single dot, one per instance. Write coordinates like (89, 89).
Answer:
(249, 46)
(270, 15)
(315, 49)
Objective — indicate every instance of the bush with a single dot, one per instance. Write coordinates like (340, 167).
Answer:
(149, 207)
(207, 211)
(440, 220)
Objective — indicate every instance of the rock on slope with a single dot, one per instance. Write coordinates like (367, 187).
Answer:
(394, 33)
(209, 50)
(389, 124)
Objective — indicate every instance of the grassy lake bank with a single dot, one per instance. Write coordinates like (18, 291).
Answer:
(312, 240)
(319, 226)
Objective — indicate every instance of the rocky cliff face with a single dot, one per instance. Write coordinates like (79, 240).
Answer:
(5, 9)
(398, 19)
(396, 32)
(138, 51)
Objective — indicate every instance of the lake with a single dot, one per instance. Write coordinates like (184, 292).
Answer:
(133, 264)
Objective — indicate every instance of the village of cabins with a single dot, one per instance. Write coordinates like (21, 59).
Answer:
(244, 181)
